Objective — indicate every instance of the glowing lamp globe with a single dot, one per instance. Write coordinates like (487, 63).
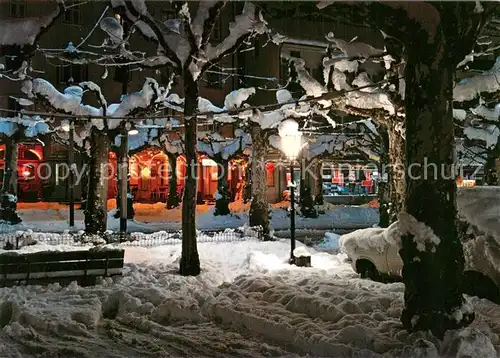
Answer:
(291, 138)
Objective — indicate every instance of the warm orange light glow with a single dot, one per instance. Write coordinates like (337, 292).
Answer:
(467, 183)
(26, 173)
(38, 154)
(145, 172)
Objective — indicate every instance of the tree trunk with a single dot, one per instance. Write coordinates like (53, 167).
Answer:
(8, 205)
(222, 200)
(497, 170)
(190, 261)
(84, 182)
(307, 208)
(490, 169)
(318, 183)
(396, 183)
(383, 184)
(247, 189)
(173, 196)
(432, 270)
(97, 194)
(259, 207)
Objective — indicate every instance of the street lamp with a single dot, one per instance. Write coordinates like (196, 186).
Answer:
(291, 144)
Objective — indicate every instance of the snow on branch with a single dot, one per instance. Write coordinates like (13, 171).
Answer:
(488, 134)
(234, 100)
(25, 31)
(172, 143)
(172, 44)
(145, 137)
(355, 49)
(214, 144)
(70, 101)
(31, 126)
(248, 23)
(482, 124)
(206, 17)
(367, 97)
(149, 96)
(423, 236)
(470, 88)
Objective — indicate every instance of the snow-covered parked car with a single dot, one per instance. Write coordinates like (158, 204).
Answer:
(374, 252)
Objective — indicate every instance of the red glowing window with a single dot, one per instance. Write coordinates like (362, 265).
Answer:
(270, 174)
(368, 181)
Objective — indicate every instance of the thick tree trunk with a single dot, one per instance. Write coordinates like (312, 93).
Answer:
(307, 208)
(222, 200)
(318, 183)
(173, 196)
(432, 269)
(97, 194)
(8, 203)
(259, 207)
(190, 261)
(383, 184)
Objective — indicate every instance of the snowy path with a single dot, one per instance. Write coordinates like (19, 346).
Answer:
(53, 217)
(246, 303)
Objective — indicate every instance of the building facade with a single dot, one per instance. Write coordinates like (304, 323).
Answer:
(261, 67)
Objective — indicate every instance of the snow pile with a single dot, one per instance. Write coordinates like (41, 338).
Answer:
(468, 342)
(247, 302)
(301, 251)
(331, 241)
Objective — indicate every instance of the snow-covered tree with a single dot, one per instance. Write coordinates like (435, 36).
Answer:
(185, 45)
(476, 113)
(432, 39)
(222, 150)
(18, 41)
(103, 126)
(173, 146)
(14, 130)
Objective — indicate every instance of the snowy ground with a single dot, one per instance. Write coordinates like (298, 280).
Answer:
(246, 303)
(53, 217)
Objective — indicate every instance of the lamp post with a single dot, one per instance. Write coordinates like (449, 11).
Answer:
(71, 179)
(123, 176)
(291, 144)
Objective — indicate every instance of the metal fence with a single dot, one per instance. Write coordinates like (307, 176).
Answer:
(16, 240)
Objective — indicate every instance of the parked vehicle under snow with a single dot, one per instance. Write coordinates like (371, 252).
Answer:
(374, 252)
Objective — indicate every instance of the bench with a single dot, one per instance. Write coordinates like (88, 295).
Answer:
(38, 268)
